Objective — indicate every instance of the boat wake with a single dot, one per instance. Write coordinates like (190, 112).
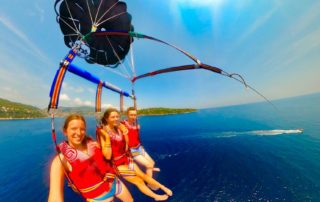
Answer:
(276, 132)
(262, 132)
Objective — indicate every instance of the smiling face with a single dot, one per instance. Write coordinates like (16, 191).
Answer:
(75, 132)
(113, 119)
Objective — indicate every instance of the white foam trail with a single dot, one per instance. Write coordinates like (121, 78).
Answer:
(262, 132)
(276, 132)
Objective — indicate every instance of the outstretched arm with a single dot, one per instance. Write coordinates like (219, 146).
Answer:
(56, 181)
(105, 144)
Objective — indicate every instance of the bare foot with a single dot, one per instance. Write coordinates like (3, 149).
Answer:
(153, 187)
(156, 169)
(161, 197)
(167, 190)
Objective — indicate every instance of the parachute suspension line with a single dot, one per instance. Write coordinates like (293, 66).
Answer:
(88, 7)
(129, 64)
(53, 133)
(54, 94)
(240, 79)
(72, 19)
(71, 35)
(138, 35)
(98, 21)
(97, 11)
(114, 16)
(135, 106)
(132, 59)
(125, 71)
(74, 29)
(116, 72)
(134, 96)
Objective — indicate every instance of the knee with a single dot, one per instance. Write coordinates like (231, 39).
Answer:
(138, 182)
(126, 198)
(129, 199)
(150, 165)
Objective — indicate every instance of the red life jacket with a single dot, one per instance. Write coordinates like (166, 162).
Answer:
(90, 173)
(118, 147)
(133, 134)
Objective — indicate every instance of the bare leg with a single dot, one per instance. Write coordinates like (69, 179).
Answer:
(149, 168)
(138, 181)
(151, 181)
(124, 195)
(142, 160)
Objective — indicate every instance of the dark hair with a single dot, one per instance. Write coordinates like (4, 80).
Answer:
(106, 115)
(131, 109)
(72, 117)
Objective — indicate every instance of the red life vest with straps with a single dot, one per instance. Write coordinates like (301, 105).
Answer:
(133, 134)
(118, 147)
(90, 172)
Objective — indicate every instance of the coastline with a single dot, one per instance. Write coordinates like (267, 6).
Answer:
(166, 114)
(30, 118)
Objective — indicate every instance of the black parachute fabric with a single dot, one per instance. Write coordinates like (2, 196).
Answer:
(79, 18)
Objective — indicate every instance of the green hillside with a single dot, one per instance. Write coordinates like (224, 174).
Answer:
(13, 110)
(89, 111)
(164, 111)
(84, 110)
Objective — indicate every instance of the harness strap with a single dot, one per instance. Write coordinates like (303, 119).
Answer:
(98, 97)
(58, 79)
(91, 188)
(121, 104)
(54, 138)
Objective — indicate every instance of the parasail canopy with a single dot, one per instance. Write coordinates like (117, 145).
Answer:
(78, 18)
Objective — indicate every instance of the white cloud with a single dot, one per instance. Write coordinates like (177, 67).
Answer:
(64, 97)
(18, 84)
(256, 25)
(22, 36)
(91, 90)
(79, 102)
(297, 50)
(105, 106)
(68, 87)
(40, 12)
(308, 19)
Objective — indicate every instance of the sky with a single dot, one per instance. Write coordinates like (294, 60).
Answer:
(273, 44)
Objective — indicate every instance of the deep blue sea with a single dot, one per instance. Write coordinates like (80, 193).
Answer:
(239, 153)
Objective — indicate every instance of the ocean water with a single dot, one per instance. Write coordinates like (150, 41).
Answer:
(240, 153)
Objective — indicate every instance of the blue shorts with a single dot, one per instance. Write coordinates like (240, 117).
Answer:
(137, 151)
(113, 191)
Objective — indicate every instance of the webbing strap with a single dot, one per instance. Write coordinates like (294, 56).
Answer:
(98, 97)
(56, 87)
(58, 80)
(121, 104)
